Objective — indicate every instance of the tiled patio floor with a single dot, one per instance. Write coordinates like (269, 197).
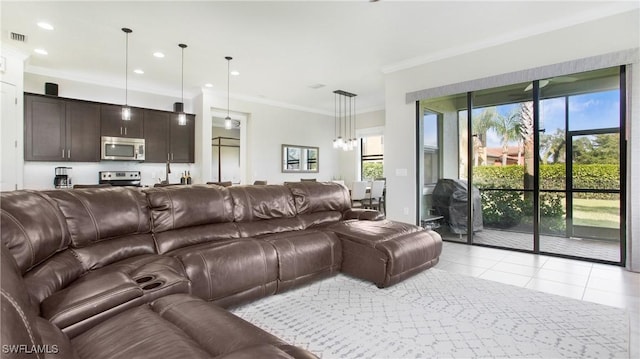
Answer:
(586, 248)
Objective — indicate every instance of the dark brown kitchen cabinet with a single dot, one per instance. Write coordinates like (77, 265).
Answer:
(181, 141)
(111, 123)
(166, 140)
(156, 136)
(61, 130)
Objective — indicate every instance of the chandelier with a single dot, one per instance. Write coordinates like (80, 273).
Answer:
(345, 120)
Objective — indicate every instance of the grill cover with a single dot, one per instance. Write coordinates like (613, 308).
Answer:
(450, 198)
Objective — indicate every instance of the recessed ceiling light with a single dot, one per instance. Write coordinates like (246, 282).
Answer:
(45, 25)
(235, 73)
(158, 55)
(41, 51)
(138, 71)
(208, 85)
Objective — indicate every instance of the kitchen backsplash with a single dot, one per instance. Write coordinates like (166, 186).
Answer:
(39, 175)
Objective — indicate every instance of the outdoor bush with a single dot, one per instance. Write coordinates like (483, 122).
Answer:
(501, 209)
(372, 170)
(505, 209)
(552, 177)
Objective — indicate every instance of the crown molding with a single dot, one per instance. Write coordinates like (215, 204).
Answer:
(579, 18)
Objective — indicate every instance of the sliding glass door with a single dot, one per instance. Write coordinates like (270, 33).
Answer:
(538, 166)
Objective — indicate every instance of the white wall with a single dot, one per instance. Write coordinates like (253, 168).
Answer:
(349, 161)
(267, 128)
(606, 35)
(12, 118)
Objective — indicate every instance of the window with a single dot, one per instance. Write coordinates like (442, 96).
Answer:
(372, 154)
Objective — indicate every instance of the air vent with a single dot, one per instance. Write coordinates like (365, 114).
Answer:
(17, 37)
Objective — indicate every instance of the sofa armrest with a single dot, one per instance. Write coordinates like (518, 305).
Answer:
(86, 299)
(362, 214)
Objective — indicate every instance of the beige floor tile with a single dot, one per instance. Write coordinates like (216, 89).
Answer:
(563, 289)
(515, 269)
(526, 259)
(628, 287)
(562, 277)
(613, 299)
(465, 269)
(567, 267)
(507, 278)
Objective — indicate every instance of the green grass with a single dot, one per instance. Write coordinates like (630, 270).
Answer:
(596, 213)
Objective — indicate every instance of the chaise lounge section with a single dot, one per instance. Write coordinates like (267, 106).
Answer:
(101, 262)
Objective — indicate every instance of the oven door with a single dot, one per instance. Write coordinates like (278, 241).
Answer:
(123, 149)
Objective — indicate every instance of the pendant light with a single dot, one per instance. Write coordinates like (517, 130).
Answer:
(182, 117)
(228, 124)
(126, 110)
(345, 120)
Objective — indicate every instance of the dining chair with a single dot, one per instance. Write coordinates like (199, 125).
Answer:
(307, 179)
(375, 195)
(358, 194)
(258, 182)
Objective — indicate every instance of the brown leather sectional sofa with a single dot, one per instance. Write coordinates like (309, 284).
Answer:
(119, 272)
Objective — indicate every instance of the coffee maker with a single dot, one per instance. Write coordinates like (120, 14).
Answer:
(62, 178)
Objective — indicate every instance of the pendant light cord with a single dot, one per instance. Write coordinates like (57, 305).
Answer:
(127, 31)
(182, 90)
(228, 80)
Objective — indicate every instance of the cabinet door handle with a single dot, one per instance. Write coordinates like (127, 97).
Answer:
(125, 131)
(68, 153)
(63, 153)
(167, 156)
(171, 156)
(120, 129)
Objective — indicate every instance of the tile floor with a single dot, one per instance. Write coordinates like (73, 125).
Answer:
(593, 282)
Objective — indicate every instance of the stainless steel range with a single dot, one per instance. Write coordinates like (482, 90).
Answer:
(120, 178)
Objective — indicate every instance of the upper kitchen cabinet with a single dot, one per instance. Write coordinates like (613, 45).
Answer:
(113, 125)
(166, 140)
(182, 140)
(156, 136)
(61, 130)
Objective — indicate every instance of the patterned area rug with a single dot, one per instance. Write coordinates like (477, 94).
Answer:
(438, 314)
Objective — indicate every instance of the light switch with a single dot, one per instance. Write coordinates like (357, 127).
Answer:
(401, 172)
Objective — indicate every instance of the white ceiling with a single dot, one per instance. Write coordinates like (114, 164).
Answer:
(279, 48)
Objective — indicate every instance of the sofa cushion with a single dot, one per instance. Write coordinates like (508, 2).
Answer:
(313, 197)
(255, 203)
(230, 272)
(304, 256)
(97, 214)
(188, 206)
(52, 275)
(33, 228)
(188, 236)
(137, 333)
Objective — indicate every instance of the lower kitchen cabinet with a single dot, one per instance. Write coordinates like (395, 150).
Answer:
(61, 130)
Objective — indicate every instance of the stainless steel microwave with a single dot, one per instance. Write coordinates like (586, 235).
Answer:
(122, 148)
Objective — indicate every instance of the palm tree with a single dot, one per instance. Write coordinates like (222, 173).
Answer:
(480, 125)
(526, 136)
(553, 147)
(509, 128)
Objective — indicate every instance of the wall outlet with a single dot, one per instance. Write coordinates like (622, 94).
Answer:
(406, 210)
